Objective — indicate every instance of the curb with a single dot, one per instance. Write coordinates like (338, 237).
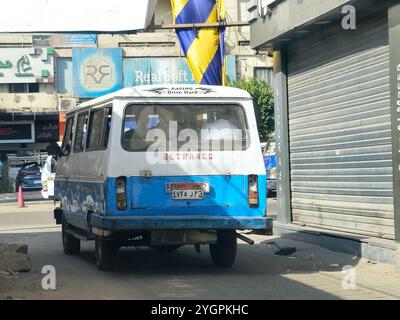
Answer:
(30, 228)
(377, 250)
(27, 202)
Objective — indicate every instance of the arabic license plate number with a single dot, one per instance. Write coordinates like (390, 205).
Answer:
(187, 194)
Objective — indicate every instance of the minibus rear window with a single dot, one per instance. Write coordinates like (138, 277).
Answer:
(194, 127)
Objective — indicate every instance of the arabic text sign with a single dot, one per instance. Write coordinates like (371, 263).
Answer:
(42, 41)
(76, 15)
(75, 40)
(96, 71)
(26, 65)
(46, 131)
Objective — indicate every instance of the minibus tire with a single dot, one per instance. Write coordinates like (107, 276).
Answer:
(223, 253)
(71, 245)
(106, 254)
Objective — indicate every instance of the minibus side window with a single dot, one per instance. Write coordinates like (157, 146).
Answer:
(99, 129)
(107, 127)
(81, 132)
(67, 141)
(96, 124)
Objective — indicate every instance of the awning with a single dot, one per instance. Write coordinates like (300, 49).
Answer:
(52, 16)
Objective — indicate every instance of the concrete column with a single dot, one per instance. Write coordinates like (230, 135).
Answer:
(394, 48)
(282, 136)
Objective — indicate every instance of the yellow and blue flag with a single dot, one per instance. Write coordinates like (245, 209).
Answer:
(204, 48)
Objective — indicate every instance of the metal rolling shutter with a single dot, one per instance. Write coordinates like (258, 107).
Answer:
(340, 131)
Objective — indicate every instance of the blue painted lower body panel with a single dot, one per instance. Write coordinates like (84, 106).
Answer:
(150, 206)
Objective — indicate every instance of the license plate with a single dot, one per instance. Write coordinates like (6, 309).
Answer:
(187, 194)
(184, 186)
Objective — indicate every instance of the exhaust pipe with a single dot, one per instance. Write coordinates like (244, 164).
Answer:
(245, 239)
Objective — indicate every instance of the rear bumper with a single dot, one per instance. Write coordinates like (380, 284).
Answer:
(35, 188)
(179, 222)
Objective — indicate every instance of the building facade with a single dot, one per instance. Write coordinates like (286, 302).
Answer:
(336, 73)
(41, 75)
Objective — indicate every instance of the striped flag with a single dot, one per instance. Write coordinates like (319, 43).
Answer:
(204, 48)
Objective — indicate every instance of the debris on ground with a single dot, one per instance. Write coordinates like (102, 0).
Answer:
(287, 251)
(281, 251)
(14, 258)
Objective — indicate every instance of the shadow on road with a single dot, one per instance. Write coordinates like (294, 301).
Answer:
(146, 274)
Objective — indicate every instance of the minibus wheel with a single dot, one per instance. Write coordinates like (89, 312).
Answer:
(223, 253)
(71, 245)
(106, 254)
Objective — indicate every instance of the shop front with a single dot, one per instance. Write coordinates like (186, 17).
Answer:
(23, 139)
(336, 132)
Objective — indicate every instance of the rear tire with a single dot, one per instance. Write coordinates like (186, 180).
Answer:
(223, 253)
(106, 254)
(71, 245)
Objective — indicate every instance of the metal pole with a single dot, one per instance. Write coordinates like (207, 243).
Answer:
(200, 25)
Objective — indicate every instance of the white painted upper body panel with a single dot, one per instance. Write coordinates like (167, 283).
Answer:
(116, 161)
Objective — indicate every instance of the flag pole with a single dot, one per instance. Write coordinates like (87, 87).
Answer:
(221, 22)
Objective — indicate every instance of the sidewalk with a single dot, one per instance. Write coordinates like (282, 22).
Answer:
(35, 214)
(28, 196)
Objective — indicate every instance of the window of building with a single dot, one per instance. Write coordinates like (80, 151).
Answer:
(23, 87)
(81, 131)
(99, 129)
(264, 73)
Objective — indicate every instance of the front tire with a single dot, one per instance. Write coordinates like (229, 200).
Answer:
(223, 253)
(71, 245)
(106, 254)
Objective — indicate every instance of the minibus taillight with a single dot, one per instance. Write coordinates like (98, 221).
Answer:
(253, 191)
(121, 193)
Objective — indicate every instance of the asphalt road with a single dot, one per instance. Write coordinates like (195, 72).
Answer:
(259, 273)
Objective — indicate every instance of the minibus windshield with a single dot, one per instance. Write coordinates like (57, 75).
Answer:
(185, 127)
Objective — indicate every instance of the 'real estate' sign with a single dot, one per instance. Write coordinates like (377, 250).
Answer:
(159, 71)
(26, 65)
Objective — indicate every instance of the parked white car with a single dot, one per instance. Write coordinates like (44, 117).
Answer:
(48, 175)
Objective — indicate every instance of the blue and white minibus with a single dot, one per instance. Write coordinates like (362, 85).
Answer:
(163, 167)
